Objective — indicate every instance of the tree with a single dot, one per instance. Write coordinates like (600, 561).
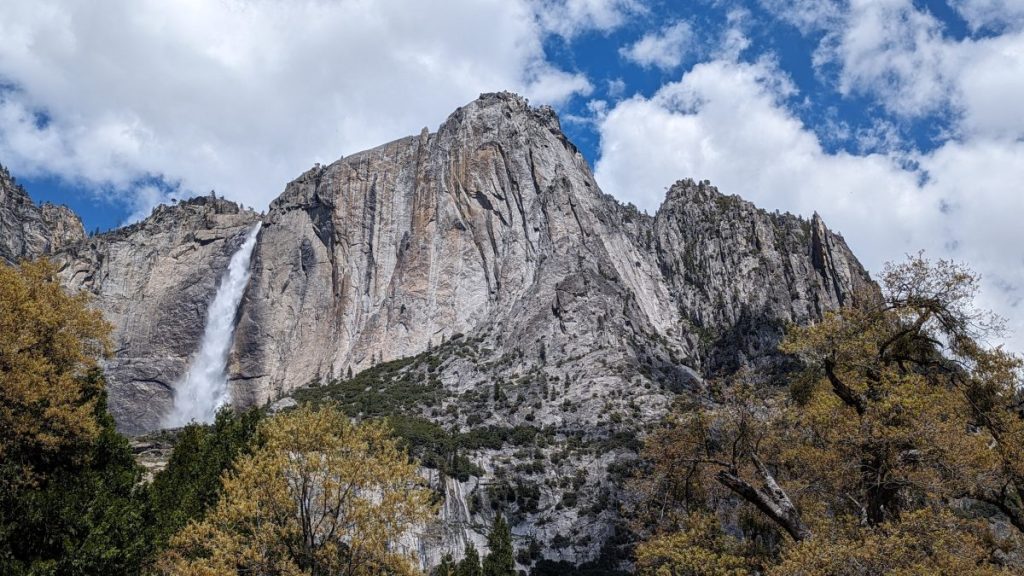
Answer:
(470, 563)
(49, 345)
(500, 560)
(69, 496)
(701, 549)
(900, 419)
(190, 484)
(447, 566)
(320, 495)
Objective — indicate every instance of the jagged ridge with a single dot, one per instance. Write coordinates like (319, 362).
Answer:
(487, 248)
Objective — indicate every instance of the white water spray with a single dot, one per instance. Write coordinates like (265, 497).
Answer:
(205, 388)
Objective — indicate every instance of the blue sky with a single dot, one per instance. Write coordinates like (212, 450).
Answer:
(899, 121)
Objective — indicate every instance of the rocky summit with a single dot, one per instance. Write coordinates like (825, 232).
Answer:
(28, 231)
(475, 282)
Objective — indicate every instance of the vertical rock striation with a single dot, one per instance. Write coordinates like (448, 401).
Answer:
(495, 223)
(154, 281)
(547, 304)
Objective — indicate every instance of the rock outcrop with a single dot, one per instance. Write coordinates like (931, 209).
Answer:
(539, 302)
(495, 224)
(29, 231)
(496, 293)
(154, 281)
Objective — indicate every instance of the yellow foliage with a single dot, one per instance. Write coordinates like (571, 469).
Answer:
(321, 495)
(701, 549)
(922, 543)
(899, 432)
(49, 343)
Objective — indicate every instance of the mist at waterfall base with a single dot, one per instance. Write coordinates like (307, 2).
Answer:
(204, 389)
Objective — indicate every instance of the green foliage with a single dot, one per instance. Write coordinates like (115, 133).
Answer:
(434, 446)
(191, 482)
(470, 563)
(500, 560)
(387, 389)
(68, 483)
(83, 518)
(447, 567)
(563, 568)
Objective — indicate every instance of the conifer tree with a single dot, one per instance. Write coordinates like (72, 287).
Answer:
(447, 566)
(470, 563)
(500, 560)
(69, 486)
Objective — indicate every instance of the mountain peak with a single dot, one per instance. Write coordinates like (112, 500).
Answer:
(28, 230)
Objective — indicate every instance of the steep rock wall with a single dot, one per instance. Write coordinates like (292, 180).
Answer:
(154, 281)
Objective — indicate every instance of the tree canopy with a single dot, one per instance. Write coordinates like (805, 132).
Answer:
(896, 449)
(70, 501)
(320, 495)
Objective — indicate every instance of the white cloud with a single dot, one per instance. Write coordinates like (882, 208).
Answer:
(901, 55)
(807, 15)
(568, 18)
(728, 121)
(996, 14)
(616, 88)
(242, 95)
(663, 49)
(889, 49)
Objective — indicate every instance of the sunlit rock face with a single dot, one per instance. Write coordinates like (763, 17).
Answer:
(489, 243)
(494, 224)
(29, 231)
(154, 282)
(535, 301)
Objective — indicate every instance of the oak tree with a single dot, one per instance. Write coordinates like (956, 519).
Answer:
(321, 495)
(902, 430)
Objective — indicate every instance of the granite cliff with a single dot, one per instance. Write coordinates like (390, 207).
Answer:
(476, 282)
(495, 224)
(483, 261)
(154, 281)
(28, 231)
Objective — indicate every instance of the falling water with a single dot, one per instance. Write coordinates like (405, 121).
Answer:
(205, 388)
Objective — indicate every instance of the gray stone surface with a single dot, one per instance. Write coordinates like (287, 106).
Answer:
(494, 224)
(590, 316)
(154, 281)
(543, 302)
(29, 231)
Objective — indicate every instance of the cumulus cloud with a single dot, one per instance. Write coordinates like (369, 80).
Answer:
(990, 14)
(729, 121)
(663, 49)
(902, 56)
(568, 18)
(242, 95)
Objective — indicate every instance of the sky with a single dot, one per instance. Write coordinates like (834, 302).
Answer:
(901, 122)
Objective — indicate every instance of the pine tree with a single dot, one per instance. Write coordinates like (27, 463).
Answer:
(500, 560)
(470, 563)
(447, 566)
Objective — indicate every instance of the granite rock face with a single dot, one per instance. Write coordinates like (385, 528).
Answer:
(154, 281)
(536, 306)
(28, 231)
(543, 303)
(494, 223)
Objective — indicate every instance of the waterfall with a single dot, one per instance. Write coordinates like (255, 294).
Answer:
(204, 389)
